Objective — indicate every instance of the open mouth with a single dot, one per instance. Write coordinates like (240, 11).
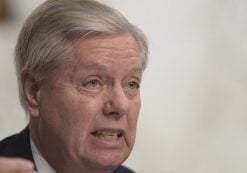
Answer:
(107, 133)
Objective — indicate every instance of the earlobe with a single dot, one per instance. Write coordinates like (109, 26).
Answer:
(31, 92)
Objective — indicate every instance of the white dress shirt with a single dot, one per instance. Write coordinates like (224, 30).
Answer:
(41, 164)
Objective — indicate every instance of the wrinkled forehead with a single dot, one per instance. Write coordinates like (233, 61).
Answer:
(118, 42)
(118, 48)
(118, 54)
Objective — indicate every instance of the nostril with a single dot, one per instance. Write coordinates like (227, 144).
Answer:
(115, 115)
(116, 105)
(113, 112)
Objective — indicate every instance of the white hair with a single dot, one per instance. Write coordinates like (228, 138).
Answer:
(45, 39)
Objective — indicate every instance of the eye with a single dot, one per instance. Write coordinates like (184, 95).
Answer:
(133, 85)
(93, 83)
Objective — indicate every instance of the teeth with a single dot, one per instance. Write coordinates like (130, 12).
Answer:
(107, 133)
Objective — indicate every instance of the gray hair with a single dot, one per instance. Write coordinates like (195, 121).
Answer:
(45, 39)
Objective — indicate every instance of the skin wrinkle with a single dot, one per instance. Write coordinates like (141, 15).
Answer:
(104, 49)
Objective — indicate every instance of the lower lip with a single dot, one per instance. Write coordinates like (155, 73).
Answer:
(107, 141)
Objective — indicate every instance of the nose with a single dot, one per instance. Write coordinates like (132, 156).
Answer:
(116, 104)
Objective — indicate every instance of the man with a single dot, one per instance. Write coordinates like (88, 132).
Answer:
(79, 65)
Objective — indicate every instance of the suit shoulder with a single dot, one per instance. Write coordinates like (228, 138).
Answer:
(6, 142)
(17, 145)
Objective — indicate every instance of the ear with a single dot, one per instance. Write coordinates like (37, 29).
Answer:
(31, 92)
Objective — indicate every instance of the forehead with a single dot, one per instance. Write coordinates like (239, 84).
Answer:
(124, 43)
(108, 55)
(104, 51)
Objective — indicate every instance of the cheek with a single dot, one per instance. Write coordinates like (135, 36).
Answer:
(70, 111)
(67, 120)
(79, 112)
(133, 116)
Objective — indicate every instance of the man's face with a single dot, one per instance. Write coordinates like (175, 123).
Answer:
(89, 107)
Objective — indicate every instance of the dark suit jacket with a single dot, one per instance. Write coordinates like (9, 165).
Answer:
(18, 145)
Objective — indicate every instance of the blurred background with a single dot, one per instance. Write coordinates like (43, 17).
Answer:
(194, 92)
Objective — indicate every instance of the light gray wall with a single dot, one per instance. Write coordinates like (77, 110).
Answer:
(193, 117)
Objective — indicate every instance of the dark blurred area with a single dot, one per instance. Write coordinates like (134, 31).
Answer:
(3, 10)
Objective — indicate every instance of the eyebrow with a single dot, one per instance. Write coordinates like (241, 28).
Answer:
(137, 69)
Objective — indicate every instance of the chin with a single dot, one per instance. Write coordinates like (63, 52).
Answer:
(109, 161)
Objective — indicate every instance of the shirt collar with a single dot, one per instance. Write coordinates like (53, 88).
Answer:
(41, 164)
